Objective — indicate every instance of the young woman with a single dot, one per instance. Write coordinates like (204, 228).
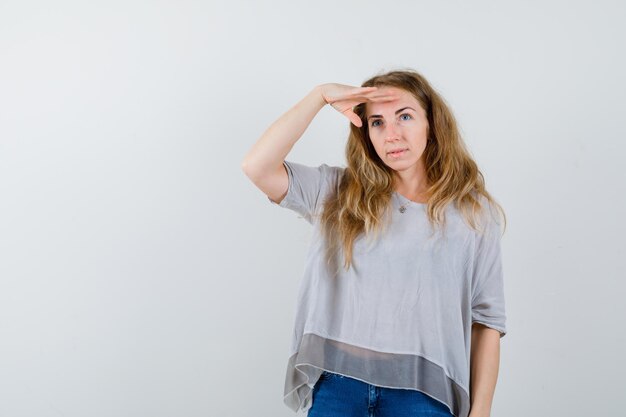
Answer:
(401, 307)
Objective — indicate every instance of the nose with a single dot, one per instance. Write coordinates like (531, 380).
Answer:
(391, 132)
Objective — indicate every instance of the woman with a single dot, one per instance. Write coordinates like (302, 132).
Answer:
(401, 307)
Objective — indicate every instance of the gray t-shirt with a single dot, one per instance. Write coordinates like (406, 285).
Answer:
(402, 316)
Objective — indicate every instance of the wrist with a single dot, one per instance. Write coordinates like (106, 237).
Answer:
(318, 96)
(477, 411)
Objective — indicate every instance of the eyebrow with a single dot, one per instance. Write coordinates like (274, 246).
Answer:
(397, 111)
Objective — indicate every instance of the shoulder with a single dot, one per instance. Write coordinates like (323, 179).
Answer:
(325, 170)
(491, 218)
(331, 179)
(486, 215)
(333, 172)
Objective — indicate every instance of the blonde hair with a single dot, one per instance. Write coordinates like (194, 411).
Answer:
(363, 199)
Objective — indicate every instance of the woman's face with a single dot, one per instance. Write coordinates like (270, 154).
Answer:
(400, 124)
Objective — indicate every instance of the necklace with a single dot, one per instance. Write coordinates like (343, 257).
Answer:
(404, 206)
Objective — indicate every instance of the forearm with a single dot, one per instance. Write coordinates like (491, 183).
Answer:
(269, 152)
(484, 366)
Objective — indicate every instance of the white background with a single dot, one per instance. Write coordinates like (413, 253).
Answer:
(141, 272)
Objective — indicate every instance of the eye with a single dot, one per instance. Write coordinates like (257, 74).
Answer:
(402, 115)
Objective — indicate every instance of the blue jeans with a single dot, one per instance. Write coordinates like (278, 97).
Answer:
(336, 395)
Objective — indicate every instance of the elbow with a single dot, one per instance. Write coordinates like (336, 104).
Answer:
(245, 166)
(249, 169)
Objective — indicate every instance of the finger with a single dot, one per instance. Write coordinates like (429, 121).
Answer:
(380, 94)
(360, 90)
(353, 117)
(379, 98)
(356, 120)
(384, 97)
(373, 95)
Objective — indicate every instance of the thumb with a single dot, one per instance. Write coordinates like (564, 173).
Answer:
(353, 117)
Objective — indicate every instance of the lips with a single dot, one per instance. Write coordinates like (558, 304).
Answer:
(396, 150)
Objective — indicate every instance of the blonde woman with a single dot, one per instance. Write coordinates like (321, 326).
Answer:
(401, 306)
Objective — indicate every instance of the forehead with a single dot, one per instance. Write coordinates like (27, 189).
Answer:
(405, 99)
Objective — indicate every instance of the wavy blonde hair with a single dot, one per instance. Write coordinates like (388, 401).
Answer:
(363, 199)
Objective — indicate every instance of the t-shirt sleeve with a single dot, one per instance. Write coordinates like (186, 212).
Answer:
(488, 305)
(308, 188)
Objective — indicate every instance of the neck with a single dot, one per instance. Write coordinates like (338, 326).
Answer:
(412, 185)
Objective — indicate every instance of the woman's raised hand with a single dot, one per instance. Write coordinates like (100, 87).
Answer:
(344, 98)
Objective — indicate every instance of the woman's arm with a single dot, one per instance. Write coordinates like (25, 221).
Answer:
(269, 152)
(263, 164)
(484, 366)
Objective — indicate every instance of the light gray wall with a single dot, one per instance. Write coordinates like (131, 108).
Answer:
(142, 274)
